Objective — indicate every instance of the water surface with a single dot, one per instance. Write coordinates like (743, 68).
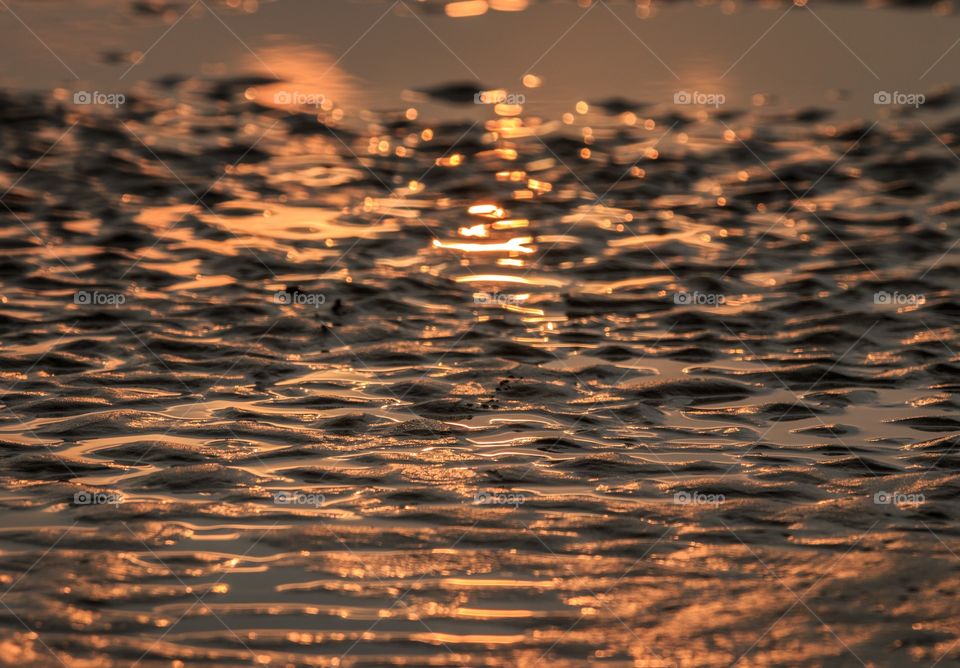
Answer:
(391, 378)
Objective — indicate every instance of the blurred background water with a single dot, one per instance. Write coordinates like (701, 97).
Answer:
(836, 55)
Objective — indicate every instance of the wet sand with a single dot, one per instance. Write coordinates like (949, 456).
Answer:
(631, 384)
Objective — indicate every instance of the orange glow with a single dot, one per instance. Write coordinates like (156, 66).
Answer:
(486, 210)
(480, 231)
(532, 81)
(539, 186)
(509, 5)
(476, 613)
(450, 161)
(508, 109)
(441, 638)
(310, 79)
(465, 8)
(515, 245)
(504, 278)
(511, 224)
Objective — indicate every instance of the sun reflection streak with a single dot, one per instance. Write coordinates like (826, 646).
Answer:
(515, 245)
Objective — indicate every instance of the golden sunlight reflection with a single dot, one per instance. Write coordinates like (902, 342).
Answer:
(515, 245)
(532, 81)
(312, 81)
(510, 224)
(480, 231)
(454, 160)
(464, 8)
(507, 278)
(509, 5)
(487, 210)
